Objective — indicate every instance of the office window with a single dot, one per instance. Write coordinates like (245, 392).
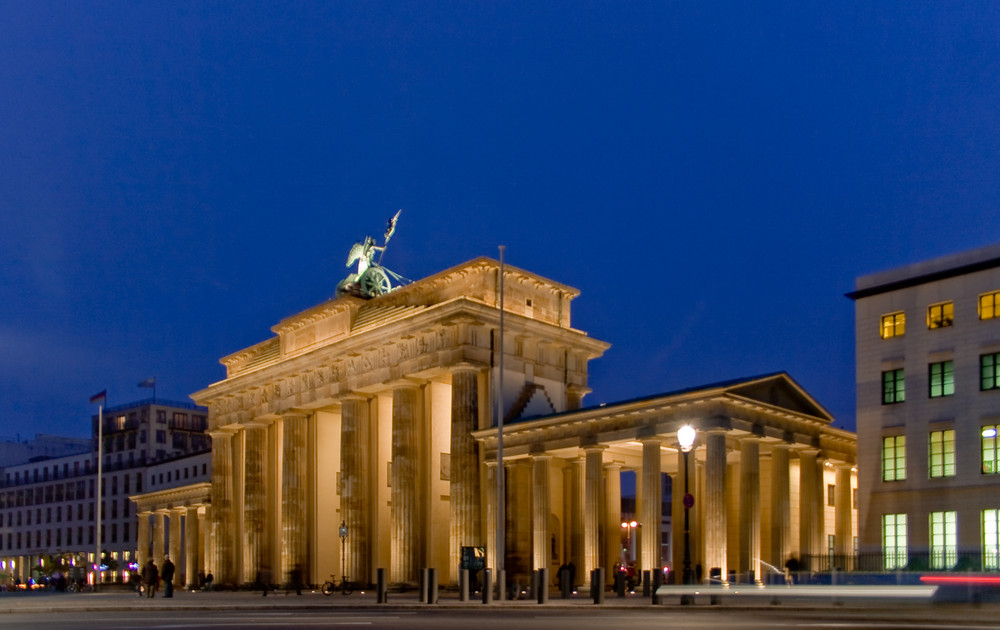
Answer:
(894, 541)
(991, 540)
(893, 387)
(894, 458)
(893, 325)
(942, 379)
(944, 539)
(942, 453)
(940, 315)
(831, 494)
(991, 459)
(989, 375)
(989, 305)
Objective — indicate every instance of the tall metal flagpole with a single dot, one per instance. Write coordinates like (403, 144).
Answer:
(501, 499)
(100, 457)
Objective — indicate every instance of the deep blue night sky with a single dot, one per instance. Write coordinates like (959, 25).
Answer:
(175, 177)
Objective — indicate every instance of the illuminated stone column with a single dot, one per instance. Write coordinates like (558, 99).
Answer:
(750, 506)
(843, 532)
(809, 514)
(540, 544)
(192, 542)
(175, 538)
(294, 533)
(142, 536)
(781, 516)
(612, 517)
(354, 487)
(221, 546)
(464, 487)
(491, 515)
(576, 487)
(650, 505)
(592, 512)
(254, 511)
(715, 505)
(159, 534)
(406, 530)
(204, 538)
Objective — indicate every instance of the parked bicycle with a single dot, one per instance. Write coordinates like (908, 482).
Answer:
(331, 586)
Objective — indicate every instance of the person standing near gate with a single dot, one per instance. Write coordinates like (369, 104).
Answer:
(167, 573)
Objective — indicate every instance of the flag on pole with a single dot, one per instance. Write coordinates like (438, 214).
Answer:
(101, 396)
(149, 382)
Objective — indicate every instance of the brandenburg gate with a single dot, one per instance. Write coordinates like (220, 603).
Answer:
(376, 413)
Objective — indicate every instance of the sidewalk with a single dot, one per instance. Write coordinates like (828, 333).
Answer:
(118, 600)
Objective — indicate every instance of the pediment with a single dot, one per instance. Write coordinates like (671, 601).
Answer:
(780, 390)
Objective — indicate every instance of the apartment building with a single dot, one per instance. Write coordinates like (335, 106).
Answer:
(928, 411)
(48, 505)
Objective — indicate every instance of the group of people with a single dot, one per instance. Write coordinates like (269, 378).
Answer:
(150, 576)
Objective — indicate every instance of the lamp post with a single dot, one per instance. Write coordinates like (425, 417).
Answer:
(343, 548)
(685, 436)
(629, 528)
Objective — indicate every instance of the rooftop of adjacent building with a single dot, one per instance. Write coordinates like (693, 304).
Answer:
(927, 271)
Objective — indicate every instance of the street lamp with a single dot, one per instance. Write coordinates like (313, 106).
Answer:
(685, 436)
(343, 547)
(629, 528)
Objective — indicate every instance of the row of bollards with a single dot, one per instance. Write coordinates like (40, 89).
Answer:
(540, 579)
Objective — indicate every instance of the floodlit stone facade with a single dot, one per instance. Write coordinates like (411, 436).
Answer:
(378, 414)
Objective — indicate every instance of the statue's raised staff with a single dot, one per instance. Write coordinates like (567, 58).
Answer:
(371, 279)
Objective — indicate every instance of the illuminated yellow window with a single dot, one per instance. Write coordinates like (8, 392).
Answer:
(940, 315)
(989, 305)
(893, 325)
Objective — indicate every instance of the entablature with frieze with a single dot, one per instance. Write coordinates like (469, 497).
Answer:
(428, 342)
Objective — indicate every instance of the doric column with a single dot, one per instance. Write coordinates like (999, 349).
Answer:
(222, 505)
(354, 487)
(406, 530)
(650, 505)
(576, 489)
(254, 510)
(464, 486)
(175, 538)
(159, 534)
(294, 533)
(592, 508)
(715, 504)
(781, 516)
(612, 516)
(540, 543)
(142, 536)
(192, 542)
(204, 539)
(809, 515)
(843, 532)
(491, 515)
(750, 506)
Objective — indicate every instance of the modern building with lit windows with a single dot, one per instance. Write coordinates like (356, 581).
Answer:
(48, 505)
(928, 387)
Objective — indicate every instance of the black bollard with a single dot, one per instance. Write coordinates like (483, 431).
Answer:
(487, 586)
(382, 594)
(502, 585)
(657, 581)
(422, 587)
(645, 583)
(542, 586)
(620, 583)
(463, 585)
(564, 584)
(432, 586)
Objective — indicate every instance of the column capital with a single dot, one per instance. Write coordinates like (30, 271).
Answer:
(595, 448)
(614, 465)
(465, 366)
(652, 440)
(406, 383)
(541, 457)
(294, 414)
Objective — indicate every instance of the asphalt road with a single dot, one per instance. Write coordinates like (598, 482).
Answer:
(935, 618)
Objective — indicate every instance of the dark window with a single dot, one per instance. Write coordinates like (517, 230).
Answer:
(941, 379)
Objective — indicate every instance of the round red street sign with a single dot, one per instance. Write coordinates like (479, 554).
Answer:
(688, 501)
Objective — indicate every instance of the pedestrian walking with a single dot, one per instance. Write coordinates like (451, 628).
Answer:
(168, 577)
(150, 578)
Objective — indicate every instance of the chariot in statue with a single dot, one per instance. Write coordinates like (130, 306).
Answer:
(371, 279)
